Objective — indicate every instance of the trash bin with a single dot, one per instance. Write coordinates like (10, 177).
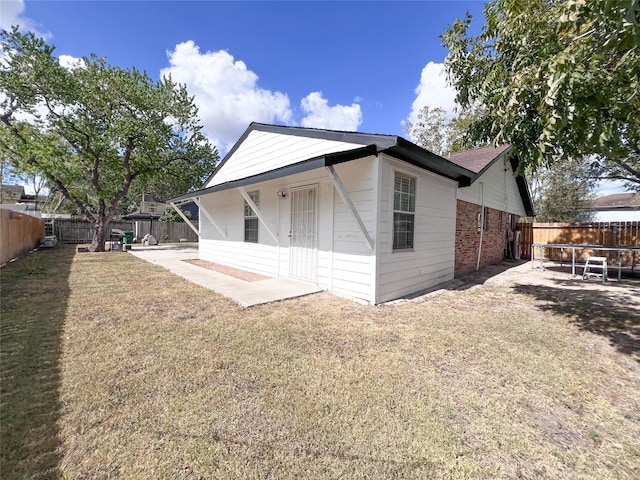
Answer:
(128, 238)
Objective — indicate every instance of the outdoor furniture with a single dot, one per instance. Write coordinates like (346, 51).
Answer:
(600, 266)
(573, 247)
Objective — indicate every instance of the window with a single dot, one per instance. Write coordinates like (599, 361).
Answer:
(404, 208)
(251, 219)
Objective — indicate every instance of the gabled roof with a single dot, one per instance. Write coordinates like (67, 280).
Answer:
(11, 192)
(339, 147)
(617, 200)
(479, 160)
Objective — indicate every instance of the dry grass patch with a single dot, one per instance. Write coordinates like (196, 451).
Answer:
(159, 378)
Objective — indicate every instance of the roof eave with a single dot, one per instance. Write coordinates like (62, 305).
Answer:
(418, 156)
(300, 167)
(523, 188)
(382, 141)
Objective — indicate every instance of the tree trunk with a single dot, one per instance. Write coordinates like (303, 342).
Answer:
(99, 236)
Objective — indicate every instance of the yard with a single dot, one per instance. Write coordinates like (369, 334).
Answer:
(115, 368)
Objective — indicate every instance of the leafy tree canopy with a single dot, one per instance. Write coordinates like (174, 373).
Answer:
(438, 133)
(558, 78)
(170, 215)
(96, 131)
(563, 192)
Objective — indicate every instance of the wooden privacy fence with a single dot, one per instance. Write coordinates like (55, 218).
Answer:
(81, 231)
(593, 233)
(19, 233)
(165, 231)
(526, 239)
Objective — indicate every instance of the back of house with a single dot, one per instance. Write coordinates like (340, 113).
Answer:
(366, 216)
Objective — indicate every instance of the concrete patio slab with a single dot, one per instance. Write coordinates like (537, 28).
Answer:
(246, 294)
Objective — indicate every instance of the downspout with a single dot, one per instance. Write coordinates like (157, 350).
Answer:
(481, 224)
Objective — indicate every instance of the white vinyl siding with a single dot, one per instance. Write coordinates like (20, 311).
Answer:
(500, 190)
(346, 265)
(335, 271)
(264, 151)
(226, 208)
(353, 263)
(431, 261)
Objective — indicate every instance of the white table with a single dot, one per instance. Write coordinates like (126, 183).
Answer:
(574, 247)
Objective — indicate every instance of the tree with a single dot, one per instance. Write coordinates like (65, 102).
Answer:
(440, 134)
(95, 131)
(560, 79)
(431, 130)
(563, 192)
(171, 215)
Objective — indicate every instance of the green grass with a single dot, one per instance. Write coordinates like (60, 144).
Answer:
(112, 367)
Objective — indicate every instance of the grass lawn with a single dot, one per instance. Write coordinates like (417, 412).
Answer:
(115, 368)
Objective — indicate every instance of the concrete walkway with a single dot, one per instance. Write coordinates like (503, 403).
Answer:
(247, 294)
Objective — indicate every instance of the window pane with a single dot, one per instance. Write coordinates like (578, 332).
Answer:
(404, 193)
(255, 198)
(251, 230)
(403, 228)
(404, 205)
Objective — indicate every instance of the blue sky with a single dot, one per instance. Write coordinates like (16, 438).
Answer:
(365, 66)
(361, 65)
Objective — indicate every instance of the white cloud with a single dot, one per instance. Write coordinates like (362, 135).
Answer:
(226, 92)
(320, 115)
(433, 91)
(11, 13)
(71, 63)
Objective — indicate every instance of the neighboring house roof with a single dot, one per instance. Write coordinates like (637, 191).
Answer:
(330, 147)
(617, 201)
(11, 193)
(479, 160)
(142, 216)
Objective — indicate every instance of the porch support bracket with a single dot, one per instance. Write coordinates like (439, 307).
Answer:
(184, 217)
(344, 195)
(247, 199)
(209, 217)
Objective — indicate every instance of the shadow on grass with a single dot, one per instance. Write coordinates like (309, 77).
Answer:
(35, 293)
(613, 312)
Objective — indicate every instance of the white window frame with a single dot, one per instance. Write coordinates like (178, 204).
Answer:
(405, 205)
(251, 216)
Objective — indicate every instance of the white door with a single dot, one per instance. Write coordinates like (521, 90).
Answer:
(303, 260)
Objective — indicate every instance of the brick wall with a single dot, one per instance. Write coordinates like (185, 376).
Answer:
(468, 237)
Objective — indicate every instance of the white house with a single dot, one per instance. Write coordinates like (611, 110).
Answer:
(370, 217)
(496, 198)
(617, 207)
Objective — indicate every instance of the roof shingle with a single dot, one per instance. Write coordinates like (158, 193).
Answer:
(478, 158)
